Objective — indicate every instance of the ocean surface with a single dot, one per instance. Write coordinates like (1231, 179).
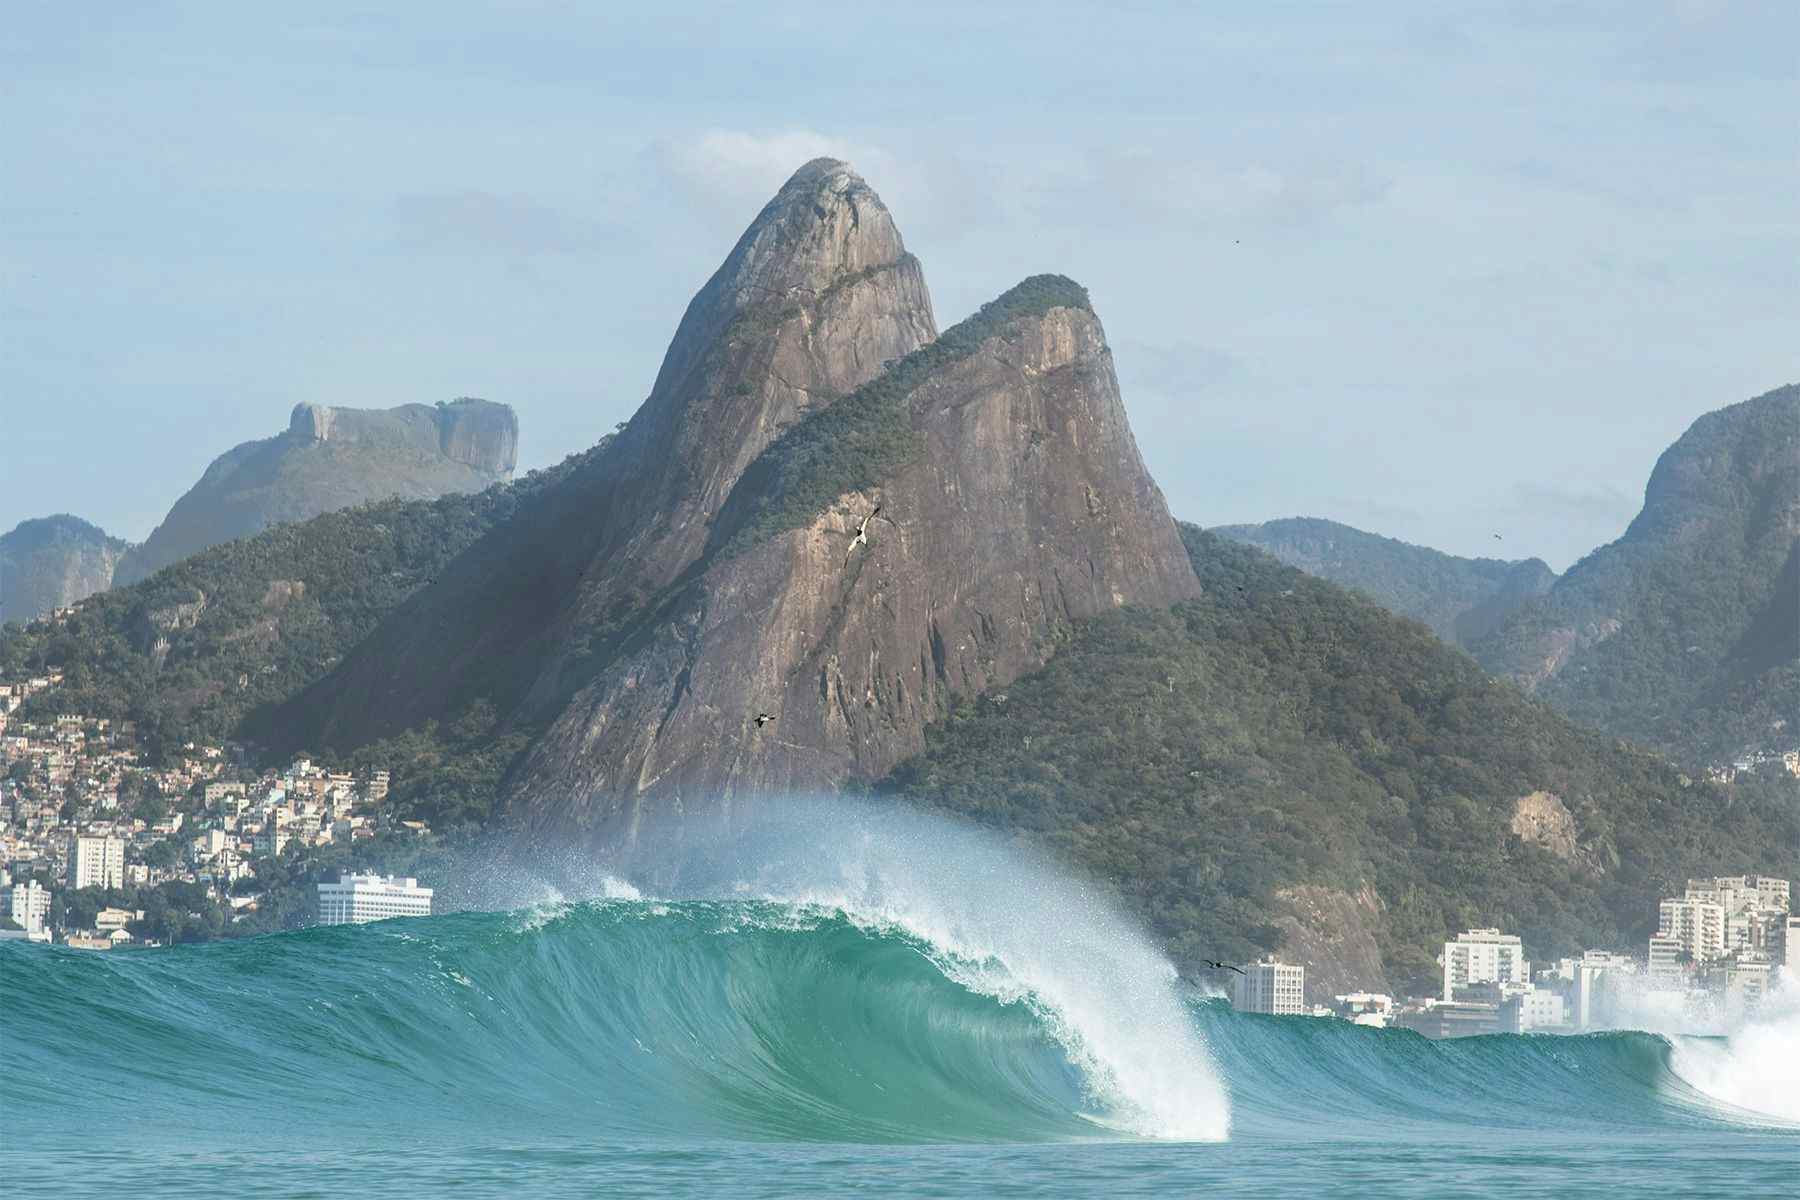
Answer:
(865, 1038)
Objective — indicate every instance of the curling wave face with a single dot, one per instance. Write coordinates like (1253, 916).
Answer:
(753, 1020)
(746, 1019)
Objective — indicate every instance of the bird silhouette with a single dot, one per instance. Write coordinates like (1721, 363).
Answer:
(763, 718)
(1223, 966)
(861, 537)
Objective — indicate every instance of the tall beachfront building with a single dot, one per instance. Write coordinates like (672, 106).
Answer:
(1483, 956)
(354, 899)
(97, 862)
(1270, 987)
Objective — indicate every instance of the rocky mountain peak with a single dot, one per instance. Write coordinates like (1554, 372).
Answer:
(817, 296)
(824, 224)
(1000, 499)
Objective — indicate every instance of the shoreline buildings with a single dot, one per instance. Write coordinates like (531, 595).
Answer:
(97, 862)
(1482, 956)
(1278, 989)
(1725, 935)
(30, 908)
(356, 899)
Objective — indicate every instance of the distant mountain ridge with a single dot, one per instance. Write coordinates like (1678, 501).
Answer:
(1685, 632)
(1461, 599)
(51, 562)
(328, 459)
(837, 549)
(1282, 766)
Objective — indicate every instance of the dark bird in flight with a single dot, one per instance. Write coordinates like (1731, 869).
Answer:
(1223, 966)
(1498, 538)
(763, 718)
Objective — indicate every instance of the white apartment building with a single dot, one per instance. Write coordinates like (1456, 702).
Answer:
(1742, 893)
(30, 906)
(1665, 957)
(1593, 973)
(1697, 925)
(97, 862)
(1483, 956)
(354, 899)
(1270, 987)
(1747, 978)
(1538, 1008)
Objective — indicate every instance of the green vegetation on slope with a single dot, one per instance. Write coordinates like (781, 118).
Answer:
(1280, 731)
(331, 459)
(858, 440)
(1459, 598)
(1685, 633)
(201, 650)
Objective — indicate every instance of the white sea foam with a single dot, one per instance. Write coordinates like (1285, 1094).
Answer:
(1756, 1065)
(997, 920)
(614, 888)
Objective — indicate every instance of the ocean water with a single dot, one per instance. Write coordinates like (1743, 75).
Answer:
(867, 1033)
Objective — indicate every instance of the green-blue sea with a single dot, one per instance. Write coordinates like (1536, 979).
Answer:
(923, 1019)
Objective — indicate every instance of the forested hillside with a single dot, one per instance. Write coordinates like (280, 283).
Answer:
(1685, 633)
(199, 651)
(1284, 764)
(330, 459)
(1461, 599)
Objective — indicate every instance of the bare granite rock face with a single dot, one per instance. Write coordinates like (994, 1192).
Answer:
(1331, 933)
(816, 297)
(619, 623)
(1029, 509)
(1541, 819)
(333, 458)
(52, 562)
(479, 434)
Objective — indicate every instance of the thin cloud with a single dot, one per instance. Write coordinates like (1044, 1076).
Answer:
(486, 222)
(1164, 190)
(728, 169)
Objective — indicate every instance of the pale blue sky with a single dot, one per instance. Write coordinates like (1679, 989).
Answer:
(1435, 275)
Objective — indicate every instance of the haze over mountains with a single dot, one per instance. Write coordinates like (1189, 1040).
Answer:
(1685, 632)
(1461, 599)
(51, 562)
(332, 458)
(1254, 759)
(327, 459)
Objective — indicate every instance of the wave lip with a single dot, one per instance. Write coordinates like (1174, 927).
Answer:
(997, 919)
(744, 1019)
(1752, 1074)
(840, 972)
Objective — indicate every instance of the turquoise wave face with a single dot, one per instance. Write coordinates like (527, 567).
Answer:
(619, 1018)
(636, 1020)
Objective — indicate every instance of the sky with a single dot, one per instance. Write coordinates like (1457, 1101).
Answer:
(1436, 271)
